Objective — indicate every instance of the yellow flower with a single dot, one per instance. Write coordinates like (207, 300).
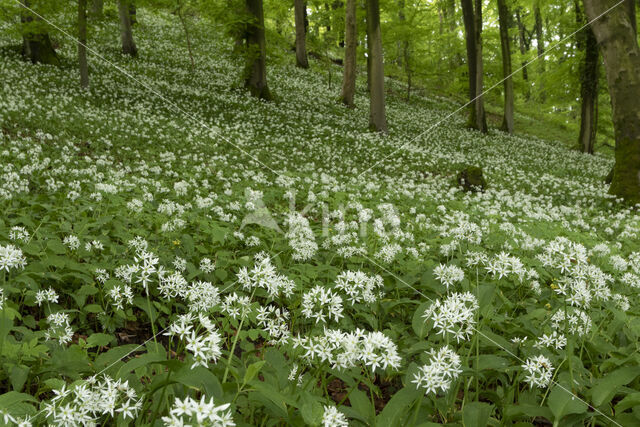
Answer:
(176, 242)
(548, 306)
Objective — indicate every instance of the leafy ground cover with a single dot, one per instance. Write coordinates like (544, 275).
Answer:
(233, 261)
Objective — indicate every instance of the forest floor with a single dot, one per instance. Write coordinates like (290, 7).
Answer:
(166, 229)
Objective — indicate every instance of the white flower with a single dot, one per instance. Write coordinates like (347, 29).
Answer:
(448, 274)
(539, 371)
(333, 418)
(443, 368)
(11, 258)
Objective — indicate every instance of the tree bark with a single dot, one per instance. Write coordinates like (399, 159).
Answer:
(300, 7)
(619, 46)
(256, 66)
(539, 35)
(36, 44)
(126, 32)
(481, 119)
(524, 46)
(503, 17)
(82, 43)
(97, 8)
(377, 116)
(351, 40)
(185, 27)
(473, 30)
(589, 65)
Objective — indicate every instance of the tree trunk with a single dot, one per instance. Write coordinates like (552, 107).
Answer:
(540, 47)
(97, 8)
(185, 28)
(524, 46)
(631, 10)
(473, 30)
(301, 32)
(377, 117)
(481, 119)
(133, 12)
(36, 44)
(619, 46)
(82, 43)
(469, 29)
(126, 33)
(585, 40)
(351, 40)
(256, 66)
(503, 17)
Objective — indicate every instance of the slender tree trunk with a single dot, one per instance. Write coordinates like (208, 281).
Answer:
(126, 33)
(300, 7)
(377, 116)
(97, 7)
(473, 29)
(630, 5)
(619, 46)
(505, 44)
(469, 29)
(133, 12)
(481, 119)
(524, 46)
(350, 40)
(256, 67)
(36, 44)
(540, 47)
(82, 42)
(589, 65)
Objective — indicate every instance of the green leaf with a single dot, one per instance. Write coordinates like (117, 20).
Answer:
(252, 371)
(562, 402)
(18, 376)
(312, 413)
(10, 399)
(418, 322)
(93, 308)
(199, 378)
(99, 340)
(476, 414)
(606, 387)
(397, 406)
(56, 246)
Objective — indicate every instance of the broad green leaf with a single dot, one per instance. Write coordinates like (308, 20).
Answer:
(476, 414)
(252, 371)
(99, 340)
(419, 323)
(562, 402)
(606, 387)
(399, 403)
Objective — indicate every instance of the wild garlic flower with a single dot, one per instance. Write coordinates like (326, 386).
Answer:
(448, 274)
(121, 294)
(72, 242)
(236, 306)
(207, 266)
(18, 233)
(443, 368)
(539, 371)
(263, 275)
(48, 295)
(321, 303)
(456, 315)
(59, 328)
(344, 350)
(274, 320)
(204, 342)
(2, 299)
(11, 258)
(563, 254)
(333, 418)
(301, 237)
(93, 402)
(575, 321)
(555, 340)
(504, 265)
(202, 296)
(189, 411)
(360, 287)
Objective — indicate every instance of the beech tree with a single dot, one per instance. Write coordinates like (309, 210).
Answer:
(126, 32)
(300, 11)
(616, 35)
(97, 8)
(256, 52)
(350, 45)
(472, 17)
(504, 18)
(377, 115)
(587, 44)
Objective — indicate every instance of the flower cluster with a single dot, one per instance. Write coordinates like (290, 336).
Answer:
(443, 368)
(360, 287)
(263, 275)
(321, 303)
(455, 315)
(189, 411)
(539, 371)
(344, 350)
